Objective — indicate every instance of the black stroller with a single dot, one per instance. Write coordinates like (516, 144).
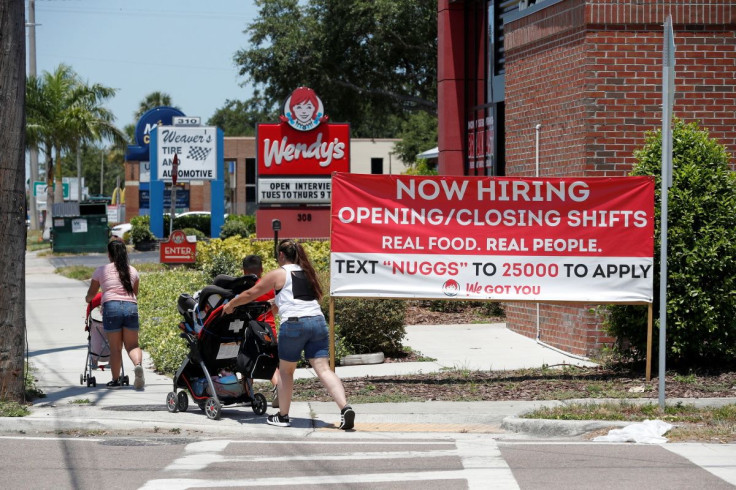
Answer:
(210, 371)
(98, 348)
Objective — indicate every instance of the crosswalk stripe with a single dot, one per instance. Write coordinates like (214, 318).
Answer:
(479, 455)
(477, 476)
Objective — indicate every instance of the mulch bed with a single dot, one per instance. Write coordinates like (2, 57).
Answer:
(537, 384)
(553, 383)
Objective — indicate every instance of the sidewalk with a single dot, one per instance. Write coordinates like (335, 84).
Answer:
(57, 342)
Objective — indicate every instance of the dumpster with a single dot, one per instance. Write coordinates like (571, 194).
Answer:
(80, 227)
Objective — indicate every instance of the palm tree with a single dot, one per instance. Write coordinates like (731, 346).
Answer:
(61, 112)
(154, 99)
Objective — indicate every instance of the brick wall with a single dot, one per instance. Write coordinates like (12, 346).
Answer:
(590, 73)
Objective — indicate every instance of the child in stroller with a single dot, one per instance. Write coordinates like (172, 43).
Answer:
(98, 348)
(210, 371)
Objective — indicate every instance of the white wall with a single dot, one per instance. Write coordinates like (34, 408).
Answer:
(363, 149)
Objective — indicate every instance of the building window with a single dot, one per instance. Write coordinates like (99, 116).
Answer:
(376, 166)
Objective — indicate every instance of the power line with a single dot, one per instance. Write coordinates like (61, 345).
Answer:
(146, 13)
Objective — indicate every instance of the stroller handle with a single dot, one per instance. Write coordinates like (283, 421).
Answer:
(260, 306)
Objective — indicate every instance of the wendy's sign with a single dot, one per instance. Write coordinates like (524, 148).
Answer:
(303, 143)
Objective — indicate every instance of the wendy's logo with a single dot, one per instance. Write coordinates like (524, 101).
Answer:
(451, 287)
(303, 110)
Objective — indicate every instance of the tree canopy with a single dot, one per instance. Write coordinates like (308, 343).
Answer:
(372, 62)
(239, 118)
(63, 112)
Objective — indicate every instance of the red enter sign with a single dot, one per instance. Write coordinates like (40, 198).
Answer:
(178, 249)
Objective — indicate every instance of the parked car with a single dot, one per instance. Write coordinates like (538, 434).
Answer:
(121, 229)
(196, 213)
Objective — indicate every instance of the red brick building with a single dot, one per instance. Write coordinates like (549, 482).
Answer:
(584, 78)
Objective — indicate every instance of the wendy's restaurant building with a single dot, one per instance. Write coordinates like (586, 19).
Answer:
(569, 88)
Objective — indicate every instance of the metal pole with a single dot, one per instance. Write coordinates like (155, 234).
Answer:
(79, 172)
(537, 128)
(668, 58)
(173, 208)
(332, 333)
(102, 169)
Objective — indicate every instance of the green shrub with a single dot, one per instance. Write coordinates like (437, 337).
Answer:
(223, 264)
(217, 256)
(159, 317)
(199, 222)
(140, 230)
(235, 228)
(701, 283)
(249, 220)
(371, 325)
(195, 232)
(217, 253)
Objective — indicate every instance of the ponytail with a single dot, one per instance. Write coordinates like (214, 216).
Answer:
(119, 256)
(295, 253)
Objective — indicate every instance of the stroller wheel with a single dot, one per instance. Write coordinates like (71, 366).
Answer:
(182, 401)
(91, 381)
(259, 404)
(171, 403)
(212, 409)
(126, 380)
(81, 379)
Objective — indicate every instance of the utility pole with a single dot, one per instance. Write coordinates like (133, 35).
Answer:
(79, 172)
(102, 168)
(33, 151)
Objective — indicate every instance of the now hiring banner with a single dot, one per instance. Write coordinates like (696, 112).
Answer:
(529, 239)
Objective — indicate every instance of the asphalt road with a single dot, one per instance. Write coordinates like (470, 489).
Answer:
(354, 460)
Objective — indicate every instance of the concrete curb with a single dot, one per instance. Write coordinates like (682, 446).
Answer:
(557, 428)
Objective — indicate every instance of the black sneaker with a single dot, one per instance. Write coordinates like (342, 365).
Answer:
(347, 418)
(114, 384)
(279, 420)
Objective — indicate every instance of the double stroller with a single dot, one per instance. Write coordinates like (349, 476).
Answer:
(98, 348)
(226, 352)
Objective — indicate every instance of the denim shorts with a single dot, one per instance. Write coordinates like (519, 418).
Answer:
(308, 334)
(117, 315)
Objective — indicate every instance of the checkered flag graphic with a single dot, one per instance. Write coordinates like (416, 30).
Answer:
(198, 153)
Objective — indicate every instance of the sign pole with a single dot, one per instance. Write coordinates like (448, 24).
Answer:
(174, 177)
(668, 74)
(332, 333)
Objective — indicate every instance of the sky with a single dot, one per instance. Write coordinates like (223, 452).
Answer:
(184, 48)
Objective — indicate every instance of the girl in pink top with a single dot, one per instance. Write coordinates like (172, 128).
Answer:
(119, 283)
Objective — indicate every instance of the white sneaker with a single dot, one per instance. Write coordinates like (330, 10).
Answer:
(139, 379)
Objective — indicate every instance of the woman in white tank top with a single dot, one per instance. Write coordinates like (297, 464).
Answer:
(303, 328)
